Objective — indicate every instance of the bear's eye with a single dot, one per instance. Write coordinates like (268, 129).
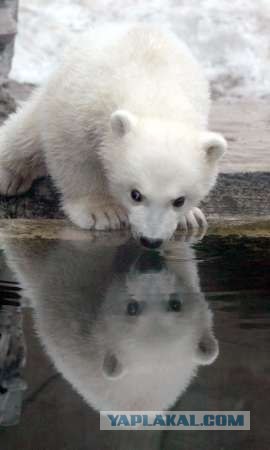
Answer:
(133, 308)
(179, 202)
(174, 304)
(136, 196)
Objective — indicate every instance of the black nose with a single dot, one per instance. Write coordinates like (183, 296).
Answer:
(150, 243)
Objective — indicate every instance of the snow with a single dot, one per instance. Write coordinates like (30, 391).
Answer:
(230, 38)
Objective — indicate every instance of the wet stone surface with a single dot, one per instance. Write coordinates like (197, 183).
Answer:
(108, 326)
(238, 194)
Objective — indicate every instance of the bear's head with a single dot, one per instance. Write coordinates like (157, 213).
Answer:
(158, 170)
(151, 333)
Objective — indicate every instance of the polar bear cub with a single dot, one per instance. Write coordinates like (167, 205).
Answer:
(121, 127)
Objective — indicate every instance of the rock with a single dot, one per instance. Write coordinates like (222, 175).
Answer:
(8, 26)
(8, 30)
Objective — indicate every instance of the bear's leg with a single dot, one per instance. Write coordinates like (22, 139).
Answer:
(21, 160)
(85, 196)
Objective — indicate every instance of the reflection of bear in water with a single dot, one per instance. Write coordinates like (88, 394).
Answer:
(127, 330)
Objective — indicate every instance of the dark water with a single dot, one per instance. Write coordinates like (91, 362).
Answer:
(100, 326)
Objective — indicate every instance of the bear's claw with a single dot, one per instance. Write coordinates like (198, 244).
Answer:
(105, 217)
(12, 183)
(193, 220)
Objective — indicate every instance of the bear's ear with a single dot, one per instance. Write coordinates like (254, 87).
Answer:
(214, 146)
(122, 122)
(207, 349)
(112, 367)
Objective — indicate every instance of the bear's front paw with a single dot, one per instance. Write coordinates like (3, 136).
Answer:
(193, 220)
(94, 217)
(13, 183)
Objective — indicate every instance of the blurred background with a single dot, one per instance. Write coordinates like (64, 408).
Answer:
(230, 38)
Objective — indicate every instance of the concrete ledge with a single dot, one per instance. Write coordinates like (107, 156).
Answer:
(240, 194)
(245, 195)
(64, 230)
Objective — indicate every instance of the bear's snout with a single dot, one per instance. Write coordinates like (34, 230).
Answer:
(150, 243)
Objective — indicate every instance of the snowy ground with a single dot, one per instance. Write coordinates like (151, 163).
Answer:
(231, 38)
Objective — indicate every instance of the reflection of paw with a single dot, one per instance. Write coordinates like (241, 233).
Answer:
(94, 217)
(193, 221)
(12, 183)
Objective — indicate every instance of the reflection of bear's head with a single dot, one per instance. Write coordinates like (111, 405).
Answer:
(127, 330)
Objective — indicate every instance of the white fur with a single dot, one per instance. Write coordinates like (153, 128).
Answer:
(117, 361)
(127, 109)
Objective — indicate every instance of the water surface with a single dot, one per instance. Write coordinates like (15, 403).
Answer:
(100, 325)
